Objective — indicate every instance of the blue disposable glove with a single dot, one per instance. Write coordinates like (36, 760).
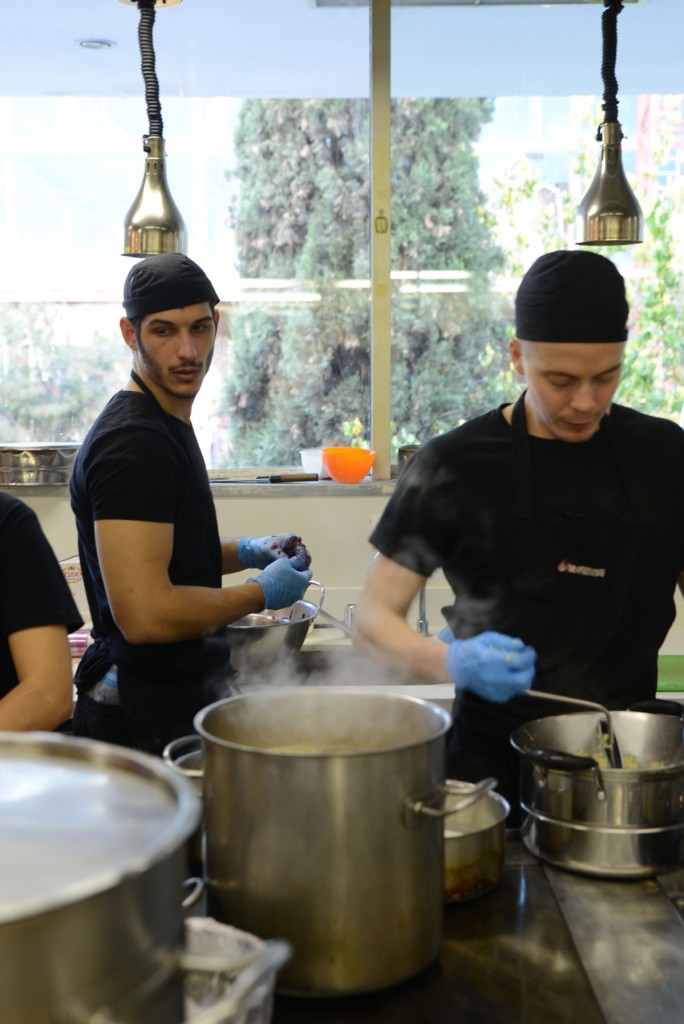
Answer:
(282, 582)
(492, 665)
(258, 552)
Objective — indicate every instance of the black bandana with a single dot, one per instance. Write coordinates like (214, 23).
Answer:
(169, 281)
(571, 296)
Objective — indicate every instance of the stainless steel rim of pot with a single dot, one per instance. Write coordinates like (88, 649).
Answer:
(51, 771)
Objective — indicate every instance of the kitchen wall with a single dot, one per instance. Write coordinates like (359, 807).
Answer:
(334, 520)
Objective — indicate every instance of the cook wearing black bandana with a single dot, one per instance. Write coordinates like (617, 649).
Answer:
(151, 555)
(558, 521)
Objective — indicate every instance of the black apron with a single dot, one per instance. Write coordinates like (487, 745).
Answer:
(579, 589)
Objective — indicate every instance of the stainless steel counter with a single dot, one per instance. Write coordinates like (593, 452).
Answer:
(544, 946)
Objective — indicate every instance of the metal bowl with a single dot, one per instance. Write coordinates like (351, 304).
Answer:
(260, 640)
(32, 464)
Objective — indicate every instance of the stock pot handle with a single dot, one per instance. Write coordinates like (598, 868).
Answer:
(560, 760)
(563, 762)
(195, 890)
(189, 744)
(469, 791)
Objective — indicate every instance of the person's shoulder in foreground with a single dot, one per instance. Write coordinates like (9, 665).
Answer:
(37, 611)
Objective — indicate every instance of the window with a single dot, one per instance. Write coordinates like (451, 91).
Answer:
(273, 182)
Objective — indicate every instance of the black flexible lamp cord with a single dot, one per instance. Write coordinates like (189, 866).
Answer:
(610, 86)
(147, 58)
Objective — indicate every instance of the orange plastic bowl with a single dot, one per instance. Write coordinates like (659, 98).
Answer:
(347, 465)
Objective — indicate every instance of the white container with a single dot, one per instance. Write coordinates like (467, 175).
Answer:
(245, 994)
(312, 462)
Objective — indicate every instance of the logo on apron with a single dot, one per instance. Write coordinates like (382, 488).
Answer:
(580, 570)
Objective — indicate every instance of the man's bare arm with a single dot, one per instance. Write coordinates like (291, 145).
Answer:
(134, 558)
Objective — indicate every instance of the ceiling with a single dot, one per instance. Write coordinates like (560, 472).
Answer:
(297, 48)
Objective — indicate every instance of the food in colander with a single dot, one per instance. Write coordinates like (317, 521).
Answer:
(628, 760)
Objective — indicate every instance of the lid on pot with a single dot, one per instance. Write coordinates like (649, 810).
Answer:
(77, 817)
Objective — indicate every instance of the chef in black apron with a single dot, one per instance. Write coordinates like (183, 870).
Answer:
(576, 571)
(152, 558)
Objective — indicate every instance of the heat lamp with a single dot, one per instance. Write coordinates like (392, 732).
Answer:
(610, 213)
(154, 223)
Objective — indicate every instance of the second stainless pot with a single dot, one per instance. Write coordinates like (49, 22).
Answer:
(314, 830)
(614, 822)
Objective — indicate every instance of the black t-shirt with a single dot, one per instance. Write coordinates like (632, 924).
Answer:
(453, 504)
(140, 463)
(33, 591)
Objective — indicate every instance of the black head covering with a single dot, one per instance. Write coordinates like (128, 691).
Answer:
(572, 296)
(169, 281)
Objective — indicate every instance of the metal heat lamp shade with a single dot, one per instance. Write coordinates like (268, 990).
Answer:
(609, 214)
(153, 224)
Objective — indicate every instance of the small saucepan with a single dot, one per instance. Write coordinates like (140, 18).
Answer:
(474, 847)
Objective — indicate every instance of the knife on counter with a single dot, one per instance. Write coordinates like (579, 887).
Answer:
(274, 478)
(288, 478)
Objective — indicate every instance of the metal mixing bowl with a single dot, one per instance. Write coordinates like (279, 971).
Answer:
(263, 639)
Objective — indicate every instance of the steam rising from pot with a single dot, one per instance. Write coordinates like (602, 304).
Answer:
(308, 720)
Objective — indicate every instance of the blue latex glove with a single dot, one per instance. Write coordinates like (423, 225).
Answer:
(259, 552)
(492, 665)
(282, 583)
(445, 635)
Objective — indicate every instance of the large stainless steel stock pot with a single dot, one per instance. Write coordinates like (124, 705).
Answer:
(92, 865)
(324, 815)
(614, 822)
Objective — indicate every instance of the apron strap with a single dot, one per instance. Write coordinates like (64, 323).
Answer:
(636, 494)
(143, 387)
(523, 487)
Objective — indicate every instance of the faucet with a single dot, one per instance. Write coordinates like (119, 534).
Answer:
(423, 626)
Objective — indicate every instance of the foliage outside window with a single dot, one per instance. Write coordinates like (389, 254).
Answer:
(292, 367)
